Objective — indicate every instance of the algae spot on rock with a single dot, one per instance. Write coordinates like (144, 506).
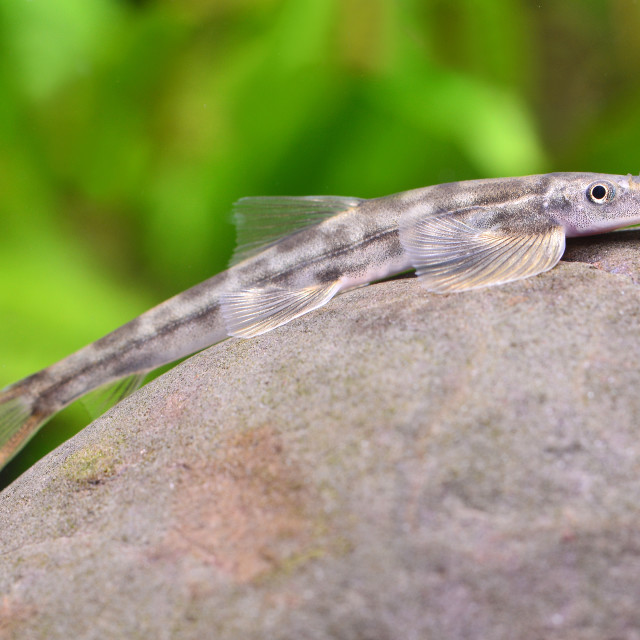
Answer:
(92, 464)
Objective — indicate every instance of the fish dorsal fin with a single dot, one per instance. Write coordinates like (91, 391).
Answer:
(262, 221)
(250, 312)
(103, 398)
(479, 247)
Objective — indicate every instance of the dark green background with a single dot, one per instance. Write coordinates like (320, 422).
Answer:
(128, 128)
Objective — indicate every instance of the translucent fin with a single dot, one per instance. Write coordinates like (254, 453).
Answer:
(262, 221)
(479, 247)
(103, 398)
(250, 312)
(17, 424)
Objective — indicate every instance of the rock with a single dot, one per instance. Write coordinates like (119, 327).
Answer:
(396, 464)
(615, 253)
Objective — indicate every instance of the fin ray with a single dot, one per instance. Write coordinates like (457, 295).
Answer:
(262, 221)
(99, 400)
(13, 413)
(250, 312)
(18, 422)
(478, 247)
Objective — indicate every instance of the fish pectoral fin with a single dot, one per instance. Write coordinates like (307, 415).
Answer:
(479, 247)
(108, 395)
(250, 312)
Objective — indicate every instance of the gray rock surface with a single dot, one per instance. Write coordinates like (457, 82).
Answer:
(616, 253)
(395, 465)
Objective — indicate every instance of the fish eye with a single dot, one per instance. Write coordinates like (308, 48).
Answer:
(600, 192)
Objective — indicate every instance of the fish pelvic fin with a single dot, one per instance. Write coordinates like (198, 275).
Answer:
(250, 312)
(19, 420)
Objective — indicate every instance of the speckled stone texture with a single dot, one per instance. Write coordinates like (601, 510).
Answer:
(397, 464)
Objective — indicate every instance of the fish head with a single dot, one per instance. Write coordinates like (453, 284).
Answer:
(591, 203)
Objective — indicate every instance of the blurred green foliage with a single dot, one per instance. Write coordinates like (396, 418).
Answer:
(128, 128)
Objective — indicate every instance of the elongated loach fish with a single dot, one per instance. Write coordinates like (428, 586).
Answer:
(295, 253)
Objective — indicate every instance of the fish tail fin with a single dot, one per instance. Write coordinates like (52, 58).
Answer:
(19, 420)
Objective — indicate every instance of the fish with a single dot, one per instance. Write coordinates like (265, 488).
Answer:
(294, 254)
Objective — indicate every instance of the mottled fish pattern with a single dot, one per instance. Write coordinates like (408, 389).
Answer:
(296, 253)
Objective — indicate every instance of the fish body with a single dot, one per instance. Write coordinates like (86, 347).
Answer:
(295, 254)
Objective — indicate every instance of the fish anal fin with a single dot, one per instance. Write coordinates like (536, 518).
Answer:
(103, 398)
(250, 312)
(261, 221)
(480, 247)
